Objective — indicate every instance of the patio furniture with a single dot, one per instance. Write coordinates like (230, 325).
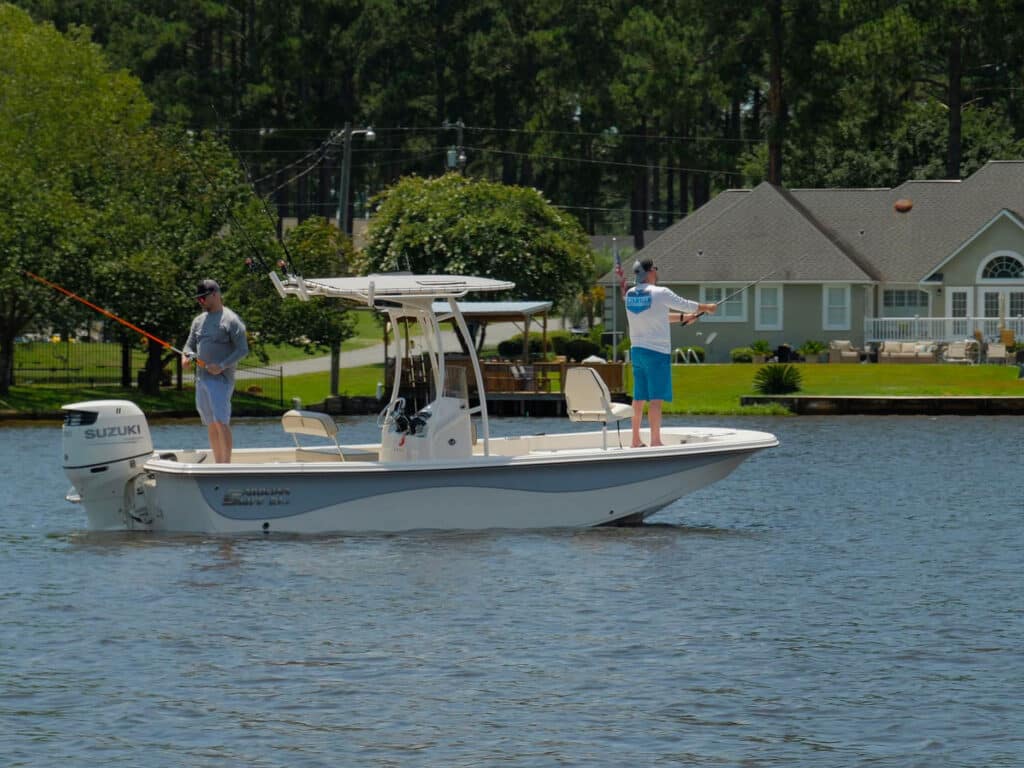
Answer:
(843, 351)
(958, 352)
(996, 353)
(906, 352)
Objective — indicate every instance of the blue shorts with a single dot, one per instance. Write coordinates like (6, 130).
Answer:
(213, 398)
(652, 374)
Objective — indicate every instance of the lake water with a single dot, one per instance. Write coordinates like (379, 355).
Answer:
(853, 597)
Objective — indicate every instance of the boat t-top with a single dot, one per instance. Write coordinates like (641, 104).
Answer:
(436, 468)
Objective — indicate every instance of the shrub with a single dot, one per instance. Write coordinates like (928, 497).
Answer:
(578, 349)
(777, 379)
(557, 341)
(812, 347)
(741, 355)
(761, 347)
(513, 347)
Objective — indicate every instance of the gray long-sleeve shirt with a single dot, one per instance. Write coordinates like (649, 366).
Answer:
(217, 337)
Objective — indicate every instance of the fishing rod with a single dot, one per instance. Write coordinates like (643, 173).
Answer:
(735, 293)
(230, 214)
(288, 265)
(111, 315)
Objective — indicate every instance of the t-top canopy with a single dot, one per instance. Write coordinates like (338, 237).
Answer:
(388, 287)
(496, 311)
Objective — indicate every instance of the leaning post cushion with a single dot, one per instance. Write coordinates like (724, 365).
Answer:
(311, 423)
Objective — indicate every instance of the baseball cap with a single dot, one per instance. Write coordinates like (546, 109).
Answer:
(206, 287)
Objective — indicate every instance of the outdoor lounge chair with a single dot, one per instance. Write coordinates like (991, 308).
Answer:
(958, 352)
(996, 353)
(587, 399)
(843, 351)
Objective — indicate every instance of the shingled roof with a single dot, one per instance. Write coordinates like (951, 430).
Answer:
(841, 235)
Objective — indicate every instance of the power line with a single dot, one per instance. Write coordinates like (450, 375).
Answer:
(616, 163)
(606, 134)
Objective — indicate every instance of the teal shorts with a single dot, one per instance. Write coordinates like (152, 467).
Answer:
(652, 374)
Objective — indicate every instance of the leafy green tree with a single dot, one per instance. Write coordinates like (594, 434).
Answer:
(318, 250)
(65, 115)
(454, 225)
(181, 211)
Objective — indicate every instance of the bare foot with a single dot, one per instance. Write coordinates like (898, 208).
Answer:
(638, 445)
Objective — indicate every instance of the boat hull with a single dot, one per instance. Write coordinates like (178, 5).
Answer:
(589, 488)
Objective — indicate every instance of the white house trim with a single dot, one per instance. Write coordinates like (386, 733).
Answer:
(759, 304)
(1001, 280)
(826, 291)
(1003, 213)
(721, 291)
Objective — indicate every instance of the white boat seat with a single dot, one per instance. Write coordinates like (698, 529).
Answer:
(587, 399)
(311, 423)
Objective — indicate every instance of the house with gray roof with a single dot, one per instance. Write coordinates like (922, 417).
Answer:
(929, 261)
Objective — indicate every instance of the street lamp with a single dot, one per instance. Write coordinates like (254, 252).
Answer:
(346, 171)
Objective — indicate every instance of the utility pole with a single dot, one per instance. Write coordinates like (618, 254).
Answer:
(456, 156)
(346, 172)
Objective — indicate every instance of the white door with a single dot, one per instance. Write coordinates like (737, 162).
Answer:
(959, 304)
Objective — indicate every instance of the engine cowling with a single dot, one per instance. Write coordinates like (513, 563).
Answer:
(105, 444)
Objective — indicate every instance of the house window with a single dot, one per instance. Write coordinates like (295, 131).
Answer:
(1016, 304)
(835, 307)
(910, 299)
(958, 306)
(1003, 268)
(768, 308)
(991, 301)
(732, 311)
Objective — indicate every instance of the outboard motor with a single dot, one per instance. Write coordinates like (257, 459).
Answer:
(106, 442)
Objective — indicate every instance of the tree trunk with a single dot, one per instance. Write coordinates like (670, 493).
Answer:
(149, 378)
(6, 363)
(955, 70)
(335, 365)
(776, 110)
(126, 365)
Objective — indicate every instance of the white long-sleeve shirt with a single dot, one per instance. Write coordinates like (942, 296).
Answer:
(647, 308)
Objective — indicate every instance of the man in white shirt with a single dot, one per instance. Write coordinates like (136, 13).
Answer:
(648, 310)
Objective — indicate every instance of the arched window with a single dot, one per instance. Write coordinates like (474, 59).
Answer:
(1003, 268)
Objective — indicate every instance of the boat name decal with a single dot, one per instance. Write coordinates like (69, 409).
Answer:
(105, 432)
(257, 497)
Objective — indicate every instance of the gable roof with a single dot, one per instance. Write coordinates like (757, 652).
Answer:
(846, 235)
(754, 233)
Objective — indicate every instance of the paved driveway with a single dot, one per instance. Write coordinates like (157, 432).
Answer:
(369, 355)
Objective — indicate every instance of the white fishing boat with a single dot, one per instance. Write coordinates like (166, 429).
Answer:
(438, 468)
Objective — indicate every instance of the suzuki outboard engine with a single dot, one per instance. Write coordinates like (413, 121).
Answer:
(106, 442)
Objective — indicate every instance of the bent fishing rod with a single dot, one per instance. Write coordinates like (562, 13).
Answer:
(257, 256)
(112, 316)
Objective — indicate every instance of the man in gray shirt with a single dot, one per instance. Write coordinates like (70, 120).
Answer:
(217, 342)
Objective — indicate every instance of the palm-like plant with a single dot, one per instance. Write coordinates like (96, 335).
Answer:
(777, 379)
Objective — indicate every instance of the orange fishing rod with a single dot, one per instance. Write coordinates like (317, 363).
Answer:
(111, 315)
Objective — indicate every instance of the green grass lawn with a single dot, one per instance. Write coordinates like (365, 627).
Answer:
(698, 389)
(718, 388)
(367, 333)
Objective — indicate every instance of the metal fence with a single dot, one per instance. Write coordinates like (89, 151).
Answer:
(97, 364)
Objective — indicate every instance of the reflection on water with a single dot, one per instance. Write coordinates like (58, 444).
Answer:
(849, 598)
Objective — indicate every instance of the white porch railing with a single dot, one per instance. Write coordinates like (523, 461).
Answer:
(938, 328)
